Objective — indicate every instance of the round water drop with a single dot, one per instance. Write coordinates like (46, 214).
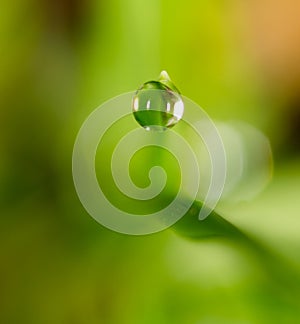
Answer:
(157, 105)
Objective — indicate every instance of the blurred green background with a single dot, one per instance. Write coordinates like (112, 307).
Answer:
(59, 60)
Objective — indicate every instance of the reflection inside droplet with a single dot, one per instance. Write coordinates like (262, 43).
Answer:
(157, 105)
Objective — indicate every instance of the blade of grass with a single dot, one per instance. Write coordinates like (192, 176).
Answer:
(283, 277)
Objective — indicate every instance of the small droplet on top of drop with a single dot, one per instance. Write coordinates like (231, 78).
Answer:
(157, 105)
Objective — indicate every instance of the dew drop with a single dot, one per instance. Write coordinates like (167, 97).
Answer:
(157, 105)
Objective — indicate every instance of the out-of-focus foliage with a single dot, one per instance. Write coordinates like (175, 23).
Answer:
(60, 60)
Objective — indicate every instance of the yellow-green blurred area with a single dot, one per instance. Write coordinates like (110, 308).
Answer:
(61, 59)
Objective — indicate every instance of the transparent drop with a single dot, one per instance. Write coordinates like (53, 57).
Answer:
(157, 105)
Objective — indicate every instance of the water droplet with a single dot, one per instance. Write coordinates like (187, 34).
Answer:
(157, 105)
